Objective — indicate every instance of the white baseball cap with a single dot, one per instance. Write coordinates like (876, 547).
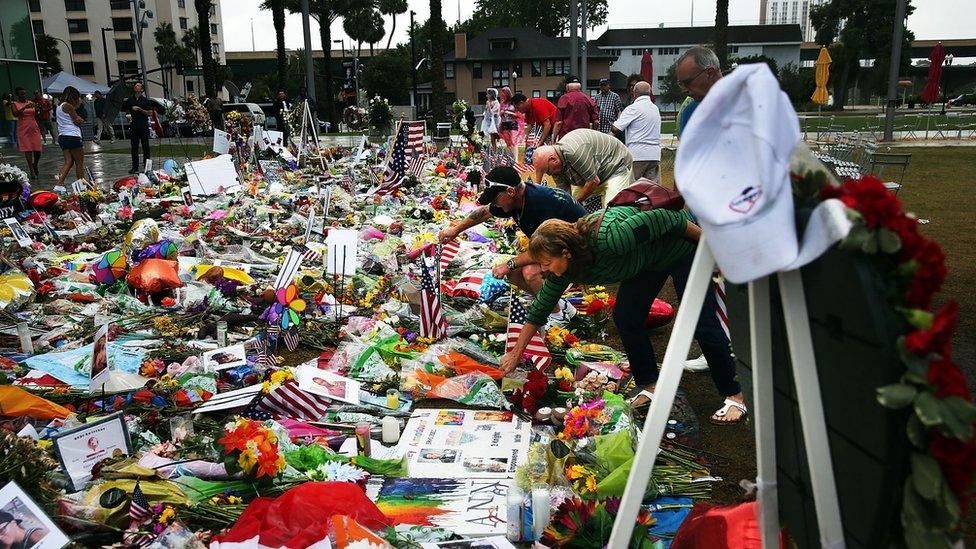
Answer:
(733, 170)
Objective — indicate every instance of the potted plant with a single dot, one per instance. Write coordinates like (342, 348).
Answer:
(380, 118)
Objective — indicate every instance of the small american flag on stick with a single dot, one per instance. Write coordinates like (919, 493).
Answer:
(432, 322)
(448, 252)
(537, 352)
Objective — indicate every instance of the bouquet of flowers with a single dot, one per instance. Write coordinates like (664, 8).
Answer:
(253, 448)
(380, 115)
(194, 114)
(582, 524)
(12, 174)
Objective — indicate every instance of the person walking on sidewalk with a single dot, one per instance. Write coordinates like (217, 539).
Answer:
(44, 108)
(69, 134)
(10, 119)
(140, 108)
(101, 122)
(28, 132)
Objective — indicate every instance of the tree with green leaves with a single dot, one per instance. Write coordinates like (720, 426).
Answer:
(376, 30)
(277, 8)
(356, 25)
(438, 94)
(550, 17)
(385, 75)
(205, 49)
(757, 59)
(48, 53)
(392, 8)
(170, 52)
(670, 91)
(722, 32)
(866, 34)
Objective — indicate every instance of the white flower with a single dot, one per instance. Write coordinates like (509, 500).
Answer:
(9, 172)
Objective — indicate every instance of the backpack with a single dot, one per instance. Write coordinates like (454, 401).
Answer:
(644, 194)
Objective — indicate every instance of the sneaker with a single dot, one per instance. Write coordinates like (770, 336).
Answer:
(562, 317)
(696, 364)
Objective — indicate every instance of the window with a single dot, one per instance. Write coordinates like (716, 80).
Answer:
(667, 51)
(448, 70)
(181, 4)
(213, 28)
(125, 45)
(213, 10)
(733, 49)
(80, 46)
(476, 70)
(537, 68)
(78, 25)
(84, 67)
(189, 86)
(74, 5)
(536, 93)
(215, 48)
(557, 67)
(120, 4)
(128, 67)
(501, 44)
(38, 25)
(122, 23)
(637, 51)
(35, 6)
(184, 23)
(499, 76)
(550, 94)
(660, 79)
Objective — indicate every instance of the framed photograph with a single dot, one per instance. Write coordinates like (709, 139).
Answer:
(20, 235)
(99, 360)
(125, 199)
(187, 197)
(438, 455)
(79, 449)
(329, 385)
(224, 358)
(24, 524)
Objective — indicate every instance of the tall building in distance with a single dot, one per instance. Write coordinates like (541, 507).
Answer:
(778, 12)
(90, 31)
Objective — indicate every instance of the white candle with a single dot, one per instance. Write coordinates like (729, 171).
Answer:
(391, 430)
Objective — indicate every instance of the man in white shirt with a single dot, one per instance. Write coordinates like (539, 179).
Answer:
(640, 122)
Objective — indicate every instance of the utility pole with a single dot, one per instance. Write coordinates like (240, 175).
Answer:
(583, 44)
(309, 65)
(140, 24)
(573, 40)
(413, 63)
(108, 70)
(893, 70)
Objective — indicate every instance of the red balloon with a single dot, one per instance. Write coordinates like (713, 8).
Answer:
(661, 314)
(125, 182)
(155, 275)
(42, 200)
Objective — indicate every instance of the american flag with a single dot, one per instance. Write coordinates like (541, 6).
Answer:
(288, 400)
(532, 138)
(266, 345)
(416, 167)
(432, 322)
(469, 285)
(290, 337)
(522, 168)
(721, 310)
(139, 514)
(415, 136)
(398, 160)
(293, 262)
(448, 251)
(537, 351)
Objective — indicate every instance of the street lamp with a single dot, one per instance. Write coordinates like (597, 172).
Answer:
(413, 61)
(514, 81)
(71, 56)
(945, 88)
(342, 45)
(143, 23)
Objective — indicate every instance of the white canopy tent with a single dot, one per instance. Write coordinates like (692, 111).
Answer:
(58, 82)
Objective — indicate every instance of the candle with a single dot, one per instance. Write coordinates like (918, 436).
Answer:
(362, 439)
(26, 345)
(391, 430)
(221, 333)
(392, 399)
(540, 510)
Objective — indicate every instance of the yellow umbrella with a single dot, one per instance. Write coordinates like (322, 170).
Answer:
(820, 94)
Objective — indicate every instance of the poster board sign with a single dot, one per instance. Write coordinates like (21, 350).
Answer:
(29, 526)
(17, 230)
(212, 176)
(221, 142)
(224, 358)
(81, 448)
(342, 246)
(100, 360)
(494, 542)
(468, 507)
(464, 443)
(332, 386)
(272, 171)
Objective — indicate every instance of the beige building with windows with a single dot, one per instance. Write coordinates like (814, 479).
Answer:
(90, 31)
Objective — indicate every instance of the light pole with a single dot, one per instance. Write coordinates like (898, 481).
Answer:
(895, 65)
(142, 22)
(945, 87)
(71, 56)
(514, 81)
(413, 63)
(342, 45)
(309, 63)
(108, 70)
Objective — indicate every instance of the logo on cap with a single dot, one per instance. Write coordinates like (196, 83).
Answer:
(746, 200)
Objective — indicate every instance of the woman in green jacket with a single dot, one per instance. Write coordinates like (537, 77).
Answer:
(639, 250)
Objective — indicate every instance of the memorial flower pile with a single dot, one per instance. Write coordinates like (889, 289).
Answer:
(253, 447)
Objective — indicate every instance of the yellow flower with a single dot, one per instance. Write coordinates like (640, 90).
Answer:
(591, 483)
(167, 515)
(234, 500)
(575, 471)
(281, 376)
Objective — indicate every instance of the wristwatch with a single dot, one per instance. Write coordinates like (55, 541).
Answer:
(511, 264)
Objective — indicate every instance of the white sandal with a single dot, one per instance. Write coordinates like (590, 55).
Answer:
(648, 394)
(724, 410)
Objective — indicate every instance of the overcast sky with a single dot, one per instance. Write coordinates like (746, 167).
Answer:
(932, 19)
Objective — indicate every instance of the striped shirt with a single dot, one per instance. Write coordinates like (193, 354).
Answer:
(609, 105)
(628, 242)
(586, 154)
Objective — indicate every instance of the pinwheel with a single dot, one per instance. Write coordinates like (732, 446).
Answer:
(110, 267)
(287, 308)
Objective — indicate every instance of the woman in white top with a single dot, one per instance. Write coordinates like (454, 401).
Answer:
(489, 124)
(69, 134)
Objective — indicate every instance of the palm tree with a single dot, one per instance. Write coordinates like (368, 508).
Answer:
(47, 52)
(278, 15)
(438, 97)
(722, 32)
(169, 52)
(206, 50)
(392, 8)
(357, 26)
(376, 30)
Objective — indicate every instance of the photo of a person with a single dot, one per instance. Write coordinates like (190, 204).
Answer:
(486, 465)
(19, 233)
(334, 388)
(100, 352)
(450, 417)
(438, 455)
(493, 415)
(187, 197)
(224, 358)
(20, 530)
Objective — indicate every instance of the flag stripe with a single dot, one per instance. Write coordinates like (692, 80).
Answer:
(536, 351)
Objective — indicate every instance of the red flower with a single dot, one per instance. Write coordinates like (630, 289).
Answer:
(929, 275)
(957, 460)
(869, 197)
(948, 379)
(595, 306)
(937, 337)
(530, 404)
(571, 340)
(565, 386)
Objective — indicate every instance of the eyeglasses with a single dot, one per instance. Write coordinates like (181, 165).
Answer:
(4, 527)
(687, 81)
(496, 185)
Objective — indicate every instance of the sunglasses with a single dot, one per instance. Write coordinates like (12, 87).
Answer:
(687, 81)
(496, 185)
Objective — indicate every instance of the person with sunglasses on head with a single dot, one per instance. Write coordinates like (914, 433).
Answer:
(15, 536)
(697, 70)
(506, 195)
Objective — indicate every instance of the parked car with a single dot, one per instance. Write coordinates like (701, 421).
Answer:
(964, 99)
(252, 109)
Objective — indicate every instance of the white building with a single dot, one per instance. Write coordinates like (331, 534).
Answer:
(778, 42)
(778, 12)
(98, 29)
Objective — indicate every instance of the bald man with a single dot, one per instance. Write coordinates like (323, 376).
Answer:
(640, 123)
(576, 110)
(595, 165)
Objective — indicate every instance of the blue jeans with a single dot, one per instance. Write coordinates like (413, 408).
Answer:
(12, 132)
(634, 299)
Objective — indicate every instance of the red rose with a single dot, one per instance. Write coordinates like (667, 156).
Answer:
(571, 340)
(948, 379)
(831, 191)
(529, 404)
(596, 306)
(565, 386)
(929, 275)
(937, 337)
(957, 459)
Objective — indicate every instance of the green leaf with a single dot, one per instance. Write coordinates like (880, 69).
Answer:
(915, 364)
(888, 240)
(912, 377)
(928, 409)
(963, 409)
(896, 396)
(916, 432)
(926, 476)
(950, 505)
(870, 244)
(959, 428)
(919, 319)
(856, 237)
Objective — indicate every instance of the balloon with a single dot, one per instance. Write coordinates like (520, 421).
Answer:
(164, 249)
(42, 200)
(124, 182)
(110, 267)
(16, 290)
(155, 275)
(203, 272)
(169, 166)
(661, 314)
(143, 233)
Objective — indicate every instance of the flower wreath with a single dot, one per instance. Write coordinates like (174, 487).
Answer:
(940, 428)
